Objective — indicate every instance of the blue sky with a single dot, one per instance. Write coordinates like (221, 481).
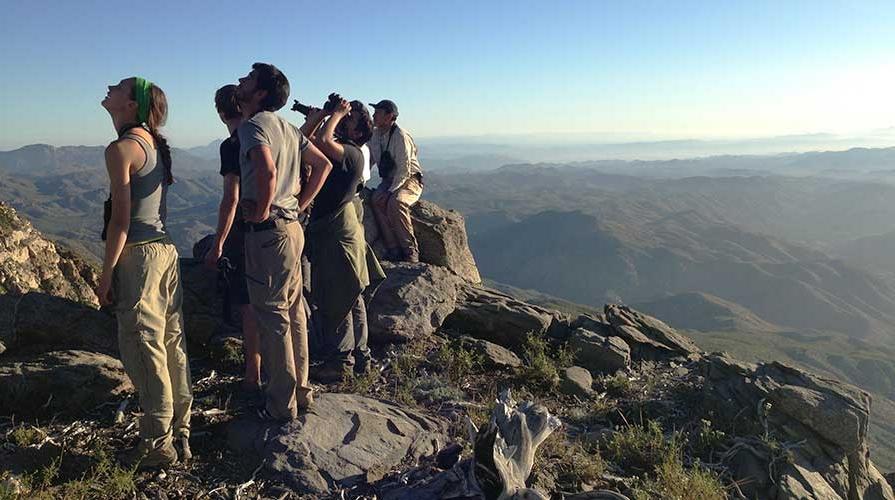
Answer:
(634, 69)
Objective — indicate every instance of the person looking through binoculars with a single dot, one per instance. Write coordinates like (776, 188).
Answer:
(337, 247)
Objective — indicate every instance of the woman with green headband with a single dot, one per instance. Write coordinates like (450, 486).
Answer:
(141, 276)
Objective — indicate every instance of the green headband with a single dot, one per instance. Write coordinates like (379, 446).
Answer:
(141, 90)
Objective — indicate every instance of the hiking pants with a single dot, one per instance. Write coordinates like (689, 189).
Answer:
(148, 299)
(273, 275)
(350, 338)
(392, 212)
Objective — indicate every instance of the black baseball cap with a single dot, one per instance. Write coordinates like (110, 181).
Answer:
(387, 106)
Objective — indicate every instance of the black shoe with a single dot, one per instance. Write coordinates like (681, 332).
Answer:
(410, 256)
(140, 458)
(364, 365)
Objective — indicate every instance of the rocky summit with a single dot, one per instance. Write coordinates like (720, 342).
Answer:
(475, 394)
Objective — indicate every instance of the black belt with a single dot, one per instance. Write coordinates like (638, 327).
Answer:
(272, 223)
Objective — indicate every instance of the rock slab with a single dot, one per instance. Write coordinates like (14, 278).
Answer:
(576, 381)
(491, 354)
(412, 302)
(599, 353)
(440, 233)
(497, 317)
(69, 382)
(828, 420)
(648, 337)
(343, 440)
(40, 322)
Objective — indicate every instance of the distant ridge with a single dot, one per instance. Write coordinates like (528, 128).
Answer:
(705, 312)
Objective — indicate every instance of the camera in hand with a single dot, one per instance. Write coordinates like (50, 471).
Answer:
(331, 102)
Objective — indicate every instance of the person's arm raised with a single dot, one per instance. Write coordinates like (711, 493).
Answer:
(119, 157)
(320, 168)
(312, 122)
(327, 143)
(266, 182)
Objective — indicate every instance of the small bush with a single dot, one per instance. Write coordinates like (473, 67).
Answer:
(593, 414)
(104, 479)
(360, 384)
(673, 482)
(540, 369)
(456, 362)
(708, 438)
(26, 436)
(435, 390)
(571, 463)
(642, 447)
(617, 386)
(405, 371)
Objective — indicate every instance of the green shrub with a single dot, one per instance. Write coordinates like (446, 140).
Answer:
(617, 386)
(572, 463)
(539, 369)
(360, 384)
(104, 479)
(456, 362)
(26, 435)
(435, 390)
(642, 447)
(673, 482)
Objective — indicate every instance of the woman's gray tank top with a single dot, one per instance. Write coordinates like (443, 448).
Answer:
(149, 191)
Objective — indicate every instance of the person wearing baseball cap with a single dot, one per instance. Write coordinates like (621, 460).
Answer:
(392, 149)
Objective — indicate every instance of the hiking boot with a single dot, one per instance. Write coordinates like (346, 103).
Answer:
(182, 446)
(140, 458)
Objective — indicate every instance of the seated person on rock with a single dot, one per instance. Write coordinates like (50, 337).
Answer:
(336, 245)
(394, 151)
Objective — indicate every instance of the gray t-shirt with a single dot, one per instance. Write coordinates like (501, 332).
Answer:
(286, 142)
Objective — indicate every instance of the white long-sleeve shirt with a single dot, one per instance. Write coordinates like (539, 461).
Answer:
(403, 150)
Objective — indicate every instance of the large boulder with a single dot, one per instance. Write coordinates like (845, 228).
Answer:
(599, 353)
(441, 235)
(491, 354)
(39, 322)
(576, 381)
(823, 424)
(412, 302)
(31, 263)
(648, 337)
(202, 302)
(343, 440)
(68, 382)
(496, 317)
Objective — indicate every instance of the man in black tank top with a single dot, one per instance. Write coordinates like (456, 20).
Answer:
(229, 241)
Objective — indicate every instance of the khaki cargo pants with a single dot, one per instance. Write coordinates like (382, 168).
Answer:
(273, 275)
(148, 299)
(392, 211)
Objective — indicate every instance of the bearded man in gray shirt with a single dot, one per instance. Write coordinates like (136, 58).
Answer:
(271, 154)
